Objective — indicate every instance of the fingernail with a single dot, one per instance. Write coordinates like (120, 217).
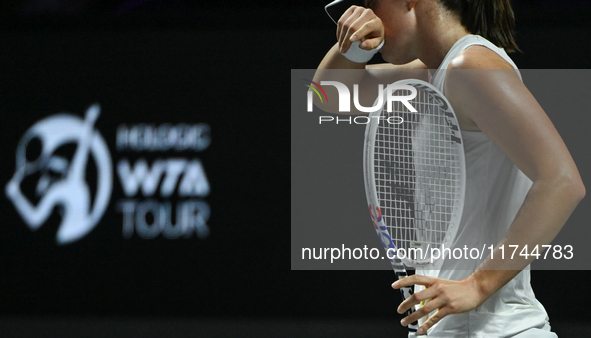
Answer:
(421, 331)
(394, 284)
(403, 322)
(399, 310)
(353, 38)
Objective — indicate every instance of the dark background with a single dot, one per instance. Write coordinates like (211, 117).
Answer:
(226, 63)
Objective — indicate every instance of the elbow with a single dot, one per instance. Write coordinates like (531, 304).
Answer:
(574, 188)
(580, 191)
(566, 187)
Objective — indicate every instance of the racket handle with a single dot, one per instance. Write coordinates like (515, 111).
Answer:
(407, 292)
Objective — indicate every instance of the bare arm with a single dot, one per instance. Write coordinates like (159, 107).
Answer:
(359, 23)
(502, 107)
(498, 103)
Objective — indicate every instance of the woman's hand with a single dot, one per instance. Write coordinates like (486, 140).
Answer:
(446, 296)
(359, 23)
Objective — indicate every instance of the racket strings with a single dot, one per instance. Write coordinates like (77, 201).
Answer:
(417, 173)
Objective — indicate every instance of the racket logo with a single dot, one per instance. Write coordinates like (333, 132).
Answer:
(385, 239)
(376, 214)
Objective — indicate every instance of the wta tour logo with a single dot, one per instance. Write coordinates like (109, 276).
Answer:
(61, 182)
(162, 195)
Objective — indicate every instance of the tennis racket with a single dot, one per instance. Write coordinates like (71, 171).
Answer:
(414, 171)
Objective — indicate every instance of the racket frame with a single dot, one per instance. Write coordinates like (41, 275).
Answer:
(399, 265)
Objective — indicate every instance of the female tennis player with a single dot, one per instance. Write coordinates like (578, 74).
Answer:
(522, 184)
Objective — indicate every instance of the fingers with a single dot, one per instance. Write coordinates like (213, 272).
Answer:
(437, 303)
(365, 33)
(412, 280)
(444, 297)
(417, 298)
(432, 294)
(345, 27)
(434, 304)
(348, 13)
(359, 23)
(434, 319)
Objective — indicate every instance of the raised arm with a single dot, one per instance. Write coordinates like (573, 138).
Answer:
(360, 24)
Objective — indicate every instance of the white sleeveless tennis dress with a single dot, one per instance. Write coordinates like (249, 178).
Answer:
(495, 190)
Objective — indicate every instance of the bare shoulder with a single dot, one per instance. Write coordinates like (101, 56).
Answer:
(473, 88)
(478, 68)
(479, 57)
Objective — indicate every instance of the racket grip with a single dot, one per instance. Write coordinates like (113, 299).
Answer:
(407, 292)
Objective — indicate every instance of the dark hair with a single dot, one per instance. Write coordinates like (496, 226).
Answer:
(492, 19)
